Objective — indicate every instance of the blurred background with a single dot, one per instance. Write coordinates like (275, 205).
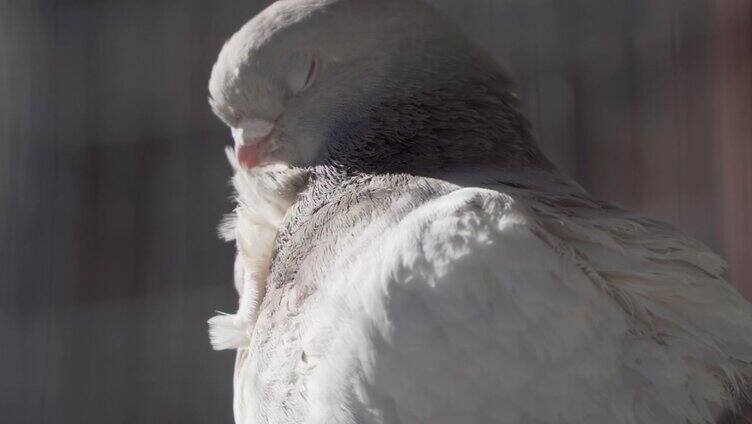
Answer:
(112, 175)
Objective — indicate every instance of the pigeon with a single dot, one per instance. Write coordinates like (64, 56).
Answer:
(406, 253)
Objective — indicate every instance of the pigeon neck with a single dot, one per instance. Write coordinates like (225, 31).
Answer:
(452, 124)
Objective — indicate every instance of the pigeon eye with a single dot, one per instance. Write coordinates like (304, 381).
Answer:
(311, 77)
(304, 73)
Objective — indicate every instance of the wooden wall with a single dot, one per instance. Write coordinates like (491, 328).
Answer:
(112, 175)
(733, 113)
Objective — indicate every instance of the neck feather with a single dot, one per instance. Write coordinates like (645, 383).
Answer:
(457, 122)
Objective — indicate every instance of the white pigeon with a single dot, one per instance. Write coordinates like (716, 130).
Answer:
(406, 254)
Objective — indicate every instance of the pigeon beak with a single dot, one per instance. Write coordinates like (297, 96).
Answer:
(249, 156)
(251, 138)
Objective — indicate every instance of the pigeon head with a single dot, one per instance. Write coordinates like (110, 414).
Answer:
(310, 81)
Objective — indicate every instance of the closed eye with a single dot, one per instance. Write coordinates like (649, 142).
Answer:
(312, 71)
(303, 72)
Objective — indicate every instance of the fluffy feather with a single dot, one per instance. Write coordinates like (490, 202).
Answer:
(263, 197)
(500, 305)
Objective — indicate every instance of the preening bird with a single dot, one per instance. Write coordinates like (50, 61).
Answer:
(406, 253)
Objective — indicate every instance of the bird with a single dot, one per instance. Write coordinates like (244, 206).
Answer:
(406, 253)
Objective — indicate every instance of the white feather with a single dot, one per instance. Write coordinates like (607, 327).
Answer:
(263, 197)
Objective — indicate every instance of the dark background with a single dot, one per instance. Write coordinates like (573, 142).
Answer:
(112, 175)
